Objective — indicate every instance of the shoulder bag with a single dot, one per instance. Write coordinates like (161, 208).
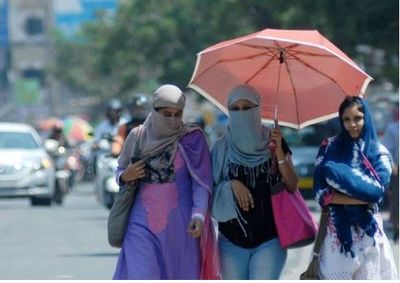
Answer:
(294, 222)
(312, 271)
(119, 214)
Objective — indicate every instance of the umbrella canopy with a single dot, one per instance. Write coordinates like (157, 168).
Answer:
(76, 129)
(300, 75)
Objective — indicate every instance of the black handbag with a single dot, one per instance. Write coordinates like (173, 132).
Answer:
(312, 271)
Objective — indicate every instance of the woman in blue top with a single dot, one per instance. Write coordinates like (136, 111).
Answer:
(352, 172)
(243, 172)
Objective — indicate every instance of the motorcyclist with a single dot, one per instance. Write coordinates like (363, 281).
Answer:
(107, 129)
(109, 126)
(138, 107)
(56, 133)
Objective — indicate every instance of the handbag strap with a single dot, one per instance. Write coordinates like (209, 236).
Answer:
(370, 167)
(323, 226)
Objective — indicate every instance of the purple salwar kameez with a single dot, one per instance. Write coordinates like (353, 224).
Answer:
(157, 244)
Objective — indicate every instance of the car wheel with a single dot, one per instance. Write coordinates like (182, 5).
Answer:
(40, 201)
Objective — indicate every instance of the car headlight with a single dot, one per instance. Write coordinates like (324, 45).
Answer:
(43, 164)
(46, 163)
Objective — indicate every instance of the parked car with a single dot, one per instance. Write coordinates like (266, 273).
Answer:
(304, 145)
(26, 170)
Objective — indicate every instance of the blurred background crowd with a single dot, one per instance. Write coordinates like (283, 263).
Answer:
(70, 68)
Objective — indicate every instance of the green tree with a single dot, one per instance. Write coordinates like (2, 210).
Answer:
(153, 42)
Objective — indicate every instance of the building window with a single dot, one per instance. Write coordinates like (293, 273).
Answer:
(34, 26)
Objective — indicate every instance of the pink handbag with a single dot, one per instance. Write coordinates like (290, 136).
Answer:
(295, 225)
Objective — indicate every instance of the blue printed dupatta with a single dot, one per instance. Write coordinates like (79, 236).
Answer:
(358, 168)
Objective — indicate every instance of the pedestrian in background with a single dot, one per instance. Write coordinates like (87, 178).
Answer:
(242, 166)
(352, 173)
(169, 234)
(391, 141)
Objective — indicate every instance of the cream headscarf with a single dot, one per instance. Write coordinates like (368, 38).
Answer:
(157, 139)
(158, 131)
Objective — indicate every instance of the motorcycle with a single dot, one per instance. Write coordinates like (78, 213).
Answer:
(106, 165)
(63, 174)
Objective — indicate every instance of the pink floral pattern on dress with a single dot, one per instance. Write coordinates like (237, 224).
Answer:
(357, 235)
(159, 200)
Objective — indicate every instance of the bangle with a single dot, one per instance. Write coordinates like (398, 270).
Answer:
(281, 161)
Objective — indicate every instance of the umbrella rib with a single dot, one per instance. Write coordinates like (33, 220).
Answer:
(294, 53)
(262, 68)
(270, 48)
(269, 51)
(294, 90)
(230, 60)
(319, 72)
(272, 51)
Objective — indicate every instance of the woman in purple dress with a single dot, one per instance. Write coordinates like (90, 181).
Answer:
(169, 234)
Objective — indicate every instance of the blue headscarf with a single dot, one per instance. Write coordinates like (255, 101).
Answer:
(246, 136)
(344, 164)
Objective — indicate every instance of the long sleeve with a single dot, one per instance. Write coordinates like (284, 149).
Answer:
(322, 191)
(127, 152)
(356, 184)
(196, 153)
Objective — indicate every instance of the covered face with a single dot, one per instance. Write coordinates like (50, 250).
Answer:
(244, 117)
(166, 113)
(245, 132)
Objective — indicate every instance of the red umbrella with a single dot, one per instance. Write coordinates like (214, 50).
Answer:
(300, 75)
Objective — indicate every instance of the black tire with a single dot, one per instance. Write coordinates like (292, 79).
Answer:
(108, 199)
(58, 194)
(43, 201)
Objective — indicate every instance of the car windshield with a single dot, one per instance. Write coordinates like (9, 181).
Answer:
(311, 135)
(11, 140)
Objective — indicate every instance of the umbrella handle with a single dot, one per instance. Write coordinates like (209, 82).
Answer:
(276, 124)
(272, 143)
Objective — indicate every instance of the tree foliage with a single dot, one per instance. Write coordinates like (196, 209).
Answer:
(151, 42)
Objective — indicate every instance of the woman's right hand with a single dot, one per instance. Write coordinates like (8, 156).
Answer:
(134, 172)
(242, 194)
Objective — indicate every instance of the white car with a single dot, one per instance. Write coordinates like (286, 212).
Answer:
(26, 170)
(304, 145)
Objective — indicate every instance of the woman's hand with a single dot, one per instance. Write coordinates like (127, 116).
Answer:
(195, 228)
(276, 135)
(134, 172)
(243, 195)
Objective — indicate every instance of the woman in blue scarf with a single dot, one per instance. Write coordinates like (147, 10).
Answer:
(242, 165)
(352, 172)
